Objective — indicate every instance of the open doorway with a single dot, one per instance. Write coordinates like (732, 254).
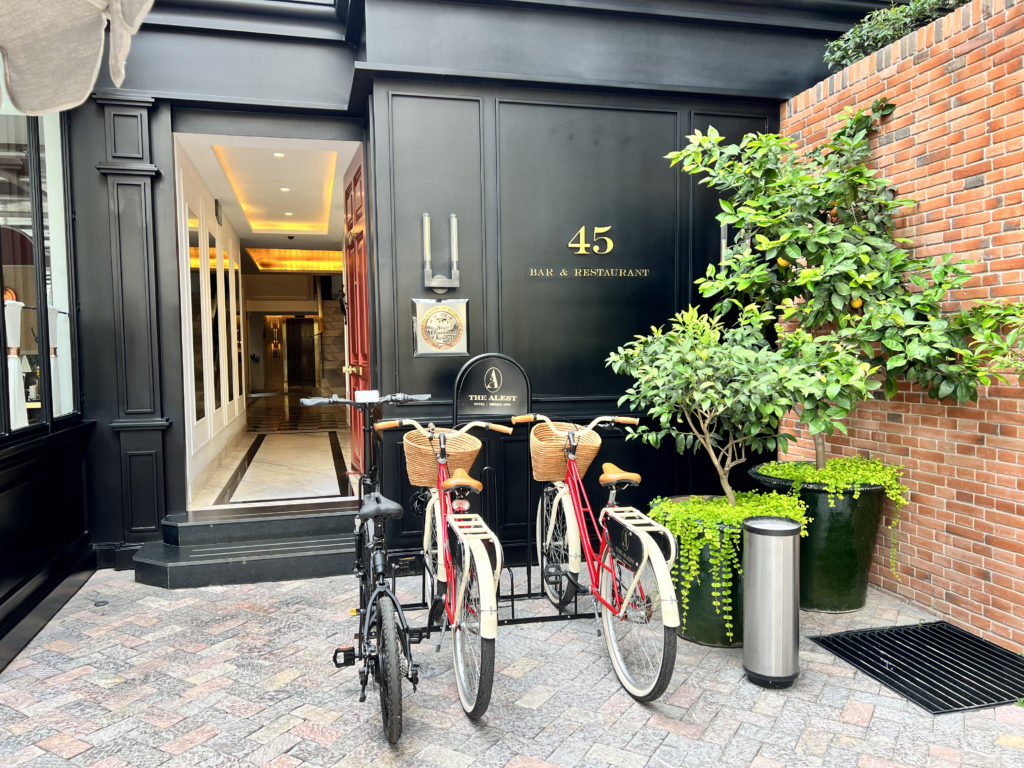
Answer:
(270, 260)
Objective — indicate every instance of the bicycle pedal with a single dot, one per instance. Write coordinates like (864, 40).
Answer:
(348, 657)
(416, 635)
(552, 575)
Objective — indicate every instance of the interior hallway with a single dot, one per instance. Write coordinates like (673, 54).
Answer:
(289, 452)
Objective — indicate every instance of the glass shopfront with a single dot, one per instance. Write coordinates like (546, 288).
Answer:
(39, 376)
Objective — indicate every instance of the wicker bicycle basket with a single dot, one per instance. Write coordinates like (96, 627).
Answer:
(421, 455)
(547, 450)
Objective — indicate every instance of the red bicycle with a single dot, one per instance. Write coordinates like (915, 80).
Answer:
(462, 569)
(631, 567)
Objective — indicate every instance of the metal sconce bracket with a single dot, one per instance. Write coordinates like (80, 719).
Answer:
(440, 283)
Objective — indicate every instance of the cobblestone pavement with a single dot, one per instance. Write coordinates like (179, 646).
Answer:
(130, 675)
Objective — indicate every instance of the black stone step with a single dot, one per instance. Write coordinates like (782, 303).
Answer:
(306, 557)
(252, 524)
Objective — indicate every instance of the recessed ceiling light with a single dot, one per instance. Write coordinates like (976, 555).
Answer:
(279, 154)
(286, 189)
(288, 213)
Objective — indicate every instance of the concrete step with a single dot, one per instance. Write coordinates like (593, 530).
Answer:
(304, 557)
(239, 524)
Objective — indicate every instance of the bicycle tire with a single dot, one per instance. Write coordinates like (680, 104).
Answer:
(642, 649)
(389, 672)
(472, 653)
(554, 550)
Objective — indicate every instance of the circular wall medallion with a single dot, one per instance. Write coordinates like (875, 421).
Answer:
(441, 327)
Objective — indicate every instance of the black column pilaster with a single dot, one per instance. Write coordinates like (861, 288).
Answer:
(139, 423)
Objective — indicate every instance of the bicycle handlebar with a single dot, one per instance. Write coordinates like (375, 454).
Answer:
(382, 425)
(526, 418)
(398, 397)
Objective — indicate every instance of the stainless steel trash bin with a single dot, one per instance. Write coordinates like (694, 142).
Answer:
(771, 600)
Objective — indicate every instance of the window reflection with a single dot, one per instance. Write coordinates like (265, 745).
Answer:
(196, 277)
(238, 329)
(215, 316)
(229, 303)
(55, 250)
(19, 273)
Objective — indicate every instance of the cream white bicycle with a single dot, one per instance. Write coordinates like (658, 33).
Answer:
(631, 567)
(462, 556)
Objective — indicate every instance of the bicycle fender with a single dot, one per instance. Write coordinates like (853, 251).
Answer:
(488, 591)
(637, 524)
(572, 530)
(432, 516)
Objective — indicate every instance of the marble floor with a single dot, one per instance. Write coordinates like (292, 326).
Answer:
(284, 413)
(290, 466)
(289, 451)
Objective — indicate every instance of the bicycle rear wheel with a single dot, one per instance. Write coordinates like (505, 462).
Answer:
(641, 647)
(472, 653)
(389, 672)
(553, 548)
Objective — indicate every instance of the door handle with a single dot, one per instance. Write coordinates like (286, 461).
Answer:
(356, 370)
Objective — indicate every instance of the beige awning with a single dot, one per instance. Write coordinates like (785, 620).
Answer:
(52, 48)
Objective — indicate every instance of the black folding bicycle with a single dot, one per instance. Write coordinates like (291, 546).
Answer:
(384, 636)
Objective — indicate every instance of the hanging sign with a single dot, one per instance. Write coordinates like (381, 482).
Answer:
(491, 386)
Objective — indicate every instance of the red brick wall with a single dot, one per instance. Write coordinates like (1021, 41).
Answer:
(956, 145)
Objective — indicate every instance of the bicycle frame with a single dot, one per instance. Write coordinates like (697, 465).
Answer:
(586, 524)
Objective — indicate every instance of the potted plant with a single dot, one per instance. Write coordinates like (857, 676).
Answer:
(722, 390)
(814, 247)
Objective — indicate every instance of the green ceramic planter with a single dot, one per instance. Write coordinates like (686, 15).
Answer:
(703, 624)
(835, 556)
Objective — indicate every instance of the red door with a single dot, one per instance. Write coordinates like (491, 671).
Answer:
(358, 310)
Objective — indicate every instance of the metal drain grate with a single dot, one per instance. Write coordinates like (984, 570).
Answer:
(937, 666)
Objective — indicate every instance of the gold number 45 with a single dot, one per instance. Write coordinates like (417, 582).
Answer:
(600, 242)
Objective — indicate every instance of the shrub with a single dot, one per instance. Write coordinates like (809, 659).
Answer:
(884, 26)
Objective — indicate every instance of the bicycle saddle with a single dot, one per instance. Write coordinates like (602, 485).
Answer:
(460, 479)
(612, 475)
(377, 505)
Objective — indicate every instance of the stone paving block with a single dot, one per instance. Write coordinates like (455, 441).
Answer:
(146, 673)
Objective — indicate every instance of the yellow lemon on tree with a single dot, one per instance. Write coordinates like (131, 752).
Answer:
(782, 262)
(857, 303)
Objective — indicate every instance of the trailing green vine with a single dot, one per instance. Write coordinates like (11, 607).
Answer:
(843, 474)
(698, 522)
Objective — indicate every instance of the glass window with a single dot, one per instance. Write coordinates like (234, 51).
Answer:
(17, 237)
(38, 380)
(55, 249)
(229, 316)
(196, 279)
(237, 272)
(215, 316)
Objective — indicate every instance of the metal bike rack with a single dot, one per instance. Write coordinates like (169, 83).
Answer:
(483, 391)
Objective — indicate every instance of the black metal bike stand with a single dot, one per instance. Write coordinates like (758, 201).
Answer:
(478, 383)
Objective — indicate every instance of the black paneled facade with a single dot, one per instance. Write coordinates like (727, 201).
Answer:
(541, 124)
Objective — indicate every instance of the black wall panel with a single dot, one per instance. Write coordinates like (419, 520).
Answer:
(562, 168)
(525, 171)
(437, 169)
(739, 49)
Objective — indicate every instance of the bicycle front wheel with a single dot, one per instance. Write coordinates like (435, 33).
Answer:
(433, 561)
(472, 653)
(389, 672)
(553, 549)
(641, 647)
